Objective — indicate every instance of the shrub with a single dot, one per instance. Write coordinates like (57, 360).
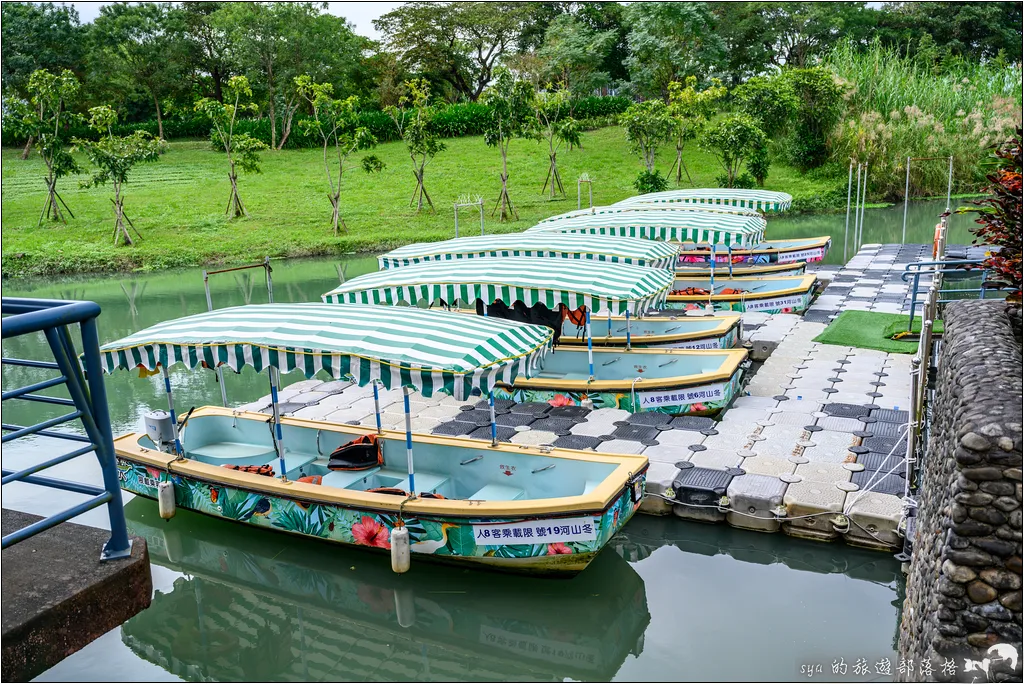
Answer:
(769, 100)
(758, 163)
(734, 139)
(819, 100)
(589, 107)
(744, 180)
(650, 181)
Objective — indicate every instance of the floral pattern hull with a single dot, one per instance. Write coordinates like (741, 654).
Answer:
(453, 539)
(710, 398)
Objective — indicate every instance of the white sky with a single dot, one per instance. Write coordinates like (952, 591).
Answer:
(361, 14)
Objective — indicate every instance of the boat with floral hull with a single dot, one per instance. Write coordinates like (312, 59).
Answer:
(503, 507)
(659, 332)
(769, 294)
(808, 250)
(739, 269)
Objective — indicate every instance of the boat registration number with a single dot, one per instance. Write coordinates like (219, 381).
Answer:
(679, 397)
(774, 303)
(813, 254)
(713, 343)
(536, 531)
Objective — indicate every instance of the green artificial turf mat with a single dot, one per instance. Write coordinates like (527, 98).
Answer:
(871, 330)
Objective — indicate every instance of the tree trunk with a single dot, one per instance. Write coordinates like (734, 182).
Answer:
(159, 116)
(508, 210)
(420, 193)
(28, 147)
(218, 88)
(273, 118)
(286, 124)
(335, 199)
(235, 207)
(120, 230)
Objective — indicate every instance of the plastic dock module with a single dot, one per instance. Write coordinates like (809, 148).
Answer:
(659, 481)
(699, 492)
(811, 508)
(753, 500)
(762, 465)
(874, 520)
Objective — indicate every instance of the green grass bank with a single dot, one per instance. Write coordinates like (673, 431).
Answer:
(178, 203)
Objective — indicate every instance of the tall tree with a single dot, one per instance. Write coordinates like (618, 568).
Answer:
(336, 123)
(144, 45)
(608, 16)
(732, 140)
(647, 125)
(669, 41)
(690, 109)
(459, 43)
(421, 140)
(572, 55)
(242, 150)
(511, 116)
(44, 117)
(114, 158)
(211, 49)
(37, 36)
(976, 30)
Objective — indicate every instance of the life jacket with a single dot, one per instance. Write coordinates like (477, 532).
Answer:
(431, 495)
(389, 490)
(732, 290)
(577, 316)
(361, 453)
(312, 479)
(691, 291)
(257, 470)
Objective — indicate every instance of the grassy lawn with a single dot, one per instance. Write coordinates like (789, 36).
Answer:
(178, 203)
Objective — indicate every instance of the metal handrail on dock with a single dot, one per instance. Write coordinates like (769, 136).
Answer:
(89, 401)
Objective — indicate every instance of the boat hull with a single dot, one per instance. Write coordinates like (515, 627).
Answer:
(788, 294)
(742, 270)
(807, 250)
(650, 333)
(562, 542)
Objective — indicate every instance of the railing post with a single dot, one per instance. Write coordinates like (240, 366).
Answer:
(906, 203)
(849, 188)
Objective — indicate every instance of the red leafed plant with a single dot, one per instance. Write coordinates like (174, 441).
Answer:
(1000, 218)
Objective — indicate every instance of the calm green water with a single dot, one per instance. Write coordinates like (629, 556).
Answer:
(668, 601)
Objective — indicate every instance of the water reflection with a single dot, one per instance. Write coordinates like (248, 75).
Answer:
(258, 606)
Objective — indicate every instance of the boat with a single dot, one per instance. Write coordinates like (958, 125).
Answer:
(663, 332)
(807, 250)
(619, 250)
(498, 506)
(545, 291)
(689, 228)
(673, 207)
(740, 270)
(320, 614)
(768, 294)
(760, 200)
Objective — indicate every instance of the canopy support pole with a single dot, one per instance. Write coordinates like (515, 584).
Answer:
(629, 341)
(728, 253)
(609, 322)
(711, 303)
(494, 422)
(590, 345)
(170, 407)
(275, 380)
(856, 210)
(906, 204)
(849, 191)
(218, 370)
(376, 407)
(408, 442)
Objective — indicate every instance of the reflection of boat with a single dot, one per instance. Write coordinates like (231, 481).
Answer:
(808, 250)
(547, 290)
(769, 294)
(256, 607)
(739, 270)
(760, 200)
(685, 227)
(636, 252)
(500, 506)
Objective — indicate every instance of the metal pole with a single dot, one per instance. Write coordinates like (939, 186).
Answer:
(455, 206)
(609, 322)
(579, 194)
(728, 253)
(481, 202)
(856, 206)
(590, 345)
(711, 293)
(949, 186)
(408, 441)
(494, 422)
(270, 280)
(218, 369)
(849, 189)
(376, 406)
(170, 407)
(906, 203)
(863, 205)
(629, 343)
(279, 437)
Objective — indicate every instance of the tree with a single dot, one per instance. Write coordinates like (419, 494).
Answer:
(211, 47)
(114, 157)
(572, 54)
(36, 36)
(819, 106)
(422, 142)
(336, 123)
(557, 127)
(975, 30)
(511, 116)
(142, 45)
(43, 118)
(690, 109)
(457, 43)
(669, 41)
(242, 150)
(647, 125)
(608, 16)
(732, 140)
(769, 100)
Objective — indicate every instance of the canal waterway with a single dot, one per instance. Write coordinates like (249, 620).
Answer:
(668, 600)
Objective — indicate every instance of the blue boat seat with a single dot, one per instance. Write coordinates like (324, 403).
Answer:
(346, 478)
(497, 492)
(233, 453)
(551, 374)
(426, 482)
(291, 461)
(589, 485)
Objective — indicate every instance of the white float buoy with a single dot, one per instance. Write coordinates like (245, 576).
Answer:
(400, 551)
(165, 499)
(405, 607)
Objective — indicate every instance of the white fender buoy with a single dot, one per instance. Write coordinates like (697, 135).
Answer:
(405, 607)
(400, 552)
(165, 499)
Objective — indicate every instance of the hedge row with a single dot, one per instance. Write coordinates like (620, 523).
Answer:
(452, 121)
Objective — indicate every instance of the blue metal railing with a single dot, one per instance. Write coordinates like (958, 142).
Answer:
(89, 401)
(940, 269)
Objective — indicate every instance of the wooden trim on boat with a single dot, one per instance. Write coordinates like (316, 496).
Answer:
(725, 372)
(739, 270)
(597, 500)
(686, 248)
(806, 283)
(727, 322)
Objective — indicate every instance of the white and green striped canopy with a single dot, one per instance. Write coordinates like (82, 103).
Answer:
(701, 227)
(671, 207)
(564, 246)
(598, 285)
(762, 200)
(429, 350)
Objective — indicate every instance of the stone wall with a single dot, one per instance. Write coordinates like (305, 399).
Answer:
(964, 585)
